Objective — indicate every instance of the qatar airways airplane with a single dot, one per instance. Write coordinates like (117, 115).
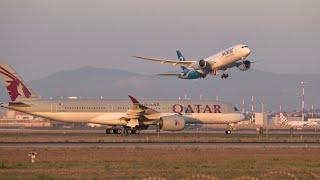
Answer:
(234, 56)
(122, 115)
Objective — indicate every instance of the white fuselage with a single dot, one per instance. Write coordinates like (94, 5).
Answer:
(228, 56)
(300, 123)
(116, 112)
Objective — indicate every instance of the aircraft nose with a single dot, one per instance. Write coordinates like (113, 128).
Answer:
(248, 51)
(242, 117)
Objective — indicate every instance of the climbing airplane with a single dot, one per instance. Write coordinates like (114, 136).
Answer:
(234, 56)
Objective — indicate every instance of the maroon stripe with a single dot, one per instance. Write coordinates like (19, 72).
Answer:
(7, 73)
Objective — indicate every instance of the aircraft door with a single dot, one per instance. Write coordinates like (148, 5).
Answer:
(53, 107)
(109, 108)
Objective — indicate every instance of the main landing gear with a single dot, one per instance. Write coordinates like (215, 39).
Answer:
(224, 75)
(121, 131)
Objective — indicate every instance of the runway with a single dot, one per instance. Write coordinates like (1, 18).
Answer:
(150, 139)
(165, 144)
(239, 131)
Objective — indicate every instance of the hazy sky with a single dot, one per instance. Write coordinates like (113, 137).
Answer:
(39, 37)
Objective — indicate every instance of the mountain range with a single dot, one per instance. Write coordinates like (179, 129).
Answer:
(271, 89)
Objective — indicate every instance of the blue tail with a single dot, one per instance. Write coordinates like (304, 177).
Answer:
(181, 58)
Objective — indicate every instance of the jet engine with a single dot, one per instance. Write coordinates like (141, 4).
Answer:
(203, 65)
(172, 123)
(200, 64)
(245, 65)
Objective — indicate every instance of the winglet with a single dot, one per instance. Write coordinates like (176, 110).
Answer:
(134, 100)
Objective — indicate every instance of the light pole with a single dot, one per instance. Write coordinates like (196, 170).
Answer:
(243, 104)
(252, 109)
(302, 100)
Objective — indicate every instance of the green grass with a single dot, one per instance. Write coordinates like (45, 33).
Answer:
(2, 164)
(172, 163)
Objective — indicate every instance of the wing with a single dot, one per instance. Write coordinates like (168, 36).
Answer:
(168, 61)
(170, 74)
(140, 114)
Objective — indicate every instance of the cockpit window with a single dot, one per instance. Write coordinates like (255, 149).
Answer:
(244, 46)
(236, 109)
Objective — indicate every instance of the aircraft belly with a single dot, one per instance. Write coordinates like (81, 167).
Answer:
(224, 62)
(86, 117)
(110, 119)
(213, 118)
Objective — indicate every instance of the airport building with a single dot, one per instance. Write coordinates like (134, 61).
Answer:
(14, 119)
(261, 119)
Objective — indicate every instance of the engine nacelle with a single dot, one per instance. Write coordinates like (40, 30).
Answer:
(245, 65)
(172, 123)
(202, 64)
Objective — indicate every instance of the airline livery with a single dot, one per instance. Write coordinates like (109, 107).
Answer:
(234, 56)
(284, 120)
(122, 115)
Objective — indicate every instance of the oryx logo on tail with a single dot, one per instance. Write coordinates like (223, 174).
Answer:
(15, 87)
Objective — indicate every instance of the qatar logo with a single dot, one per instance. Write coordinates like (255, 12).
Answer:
(196, 108)
(14, 86)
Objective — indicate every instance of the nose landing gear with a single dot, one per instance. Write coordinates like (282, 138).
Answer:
(230, 128)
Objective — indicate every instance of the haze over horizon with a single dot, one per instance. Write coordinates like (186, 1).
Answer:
(154, 74)
(92, 83)
(39, 38)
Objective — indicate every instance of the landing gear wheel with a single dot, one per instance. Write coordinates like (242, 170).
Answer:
(228, 131)
(110, 131)
(128, 131)
(224, 76)
(125, 131)
(116, 131)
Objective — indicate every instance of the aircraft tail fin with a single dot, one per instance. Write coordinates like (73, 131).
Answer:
(283, 118)
(16, 87)
(181, 58)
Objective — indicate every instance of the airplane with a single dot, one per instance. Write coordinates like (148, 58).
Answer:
(234, 56)
(123, 116)
(294, 124)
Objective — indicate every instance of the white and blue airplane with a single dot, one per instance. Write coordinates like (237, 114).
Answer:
(234, 56)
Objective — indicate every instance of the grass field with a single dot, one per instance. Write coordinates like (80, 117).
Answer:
(169, 137)
(167, 163)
